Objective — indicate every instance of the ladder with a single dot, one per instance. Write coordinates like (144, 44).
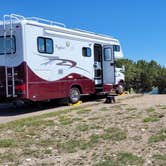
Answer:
(10, 81)
(9, 70)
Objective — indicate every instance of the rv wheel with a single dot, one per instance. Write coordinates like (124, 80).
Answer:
(74, 95)
(120, 89)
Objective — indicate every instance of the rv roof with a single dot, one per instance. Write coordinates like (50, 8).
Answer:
(19, 18)
(50, 24)
(93, 33)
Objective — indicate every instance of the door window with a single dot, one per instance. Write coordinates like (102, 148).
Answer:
(107, 54)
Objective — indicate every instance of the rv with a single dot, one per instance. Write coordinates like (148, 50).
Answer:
(42, 60)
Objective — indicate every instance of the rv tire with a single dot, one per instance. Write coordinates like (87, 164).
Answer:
(74, 95)
(120, 89)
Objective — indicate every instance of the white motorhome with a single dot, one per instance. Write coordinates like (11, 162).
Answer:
(42, 59)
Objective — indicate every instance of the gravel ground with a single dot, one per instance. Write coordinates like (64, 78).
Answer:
(130, 132)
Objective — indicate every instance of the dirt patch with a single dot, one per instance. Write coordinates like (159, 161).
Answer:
(130, 132)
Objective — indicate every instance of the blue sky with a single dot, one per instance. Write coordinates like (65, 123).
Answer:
(140, 25)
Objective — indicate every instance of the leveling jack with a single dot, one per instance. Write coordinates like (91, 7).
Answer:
(110, 99)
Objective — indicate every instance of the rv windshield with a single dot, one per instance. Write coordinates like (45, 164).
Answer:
(7, 45)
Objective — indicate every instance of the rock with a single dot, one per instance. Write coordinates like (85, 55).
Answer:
(161, 116)
(28, 159)
(149, 162)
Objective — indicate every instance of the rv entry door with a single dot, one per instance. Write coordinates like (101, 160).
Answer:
(108, 65)
(98, 74)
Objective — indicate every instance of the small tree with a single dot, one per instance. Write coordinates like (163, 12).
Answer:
(142, 76)
(161, 80)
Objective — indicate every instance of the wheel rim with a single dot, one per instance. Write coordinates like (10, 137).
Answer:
(74, 95)
(120, 89)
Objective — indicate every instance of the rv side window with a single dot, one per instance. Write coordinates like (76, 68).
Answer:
(41, 47)
(86, 51)
(7, 45)
(45, 45)
(49, 46)
(107, 54)
(116, 48)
